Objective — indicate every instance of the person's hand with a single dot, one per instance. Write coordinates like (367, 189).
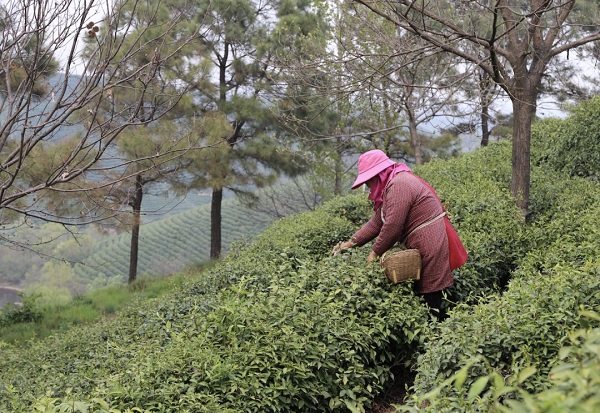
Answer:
(341, 247)
(372, 256)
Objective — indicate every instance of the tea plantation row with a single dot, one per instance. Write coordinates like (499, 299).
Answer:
(281, 326)
(170, 244)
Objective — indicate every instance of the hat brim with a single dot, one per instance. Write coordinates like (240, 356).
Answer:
(371, 172)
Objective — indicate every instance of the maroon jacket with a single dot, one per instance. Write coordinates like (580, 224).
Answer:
(408, 203)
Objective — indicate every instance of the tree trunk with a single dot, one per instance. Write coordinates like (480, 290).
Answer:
(485, 127)
(523, 112)
(337, 190)
(215, 223)
(415, 142)
(486, 91)
(136, 205)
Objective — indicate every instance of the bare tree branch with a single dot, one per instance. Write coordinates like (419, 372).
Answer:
(60, 64)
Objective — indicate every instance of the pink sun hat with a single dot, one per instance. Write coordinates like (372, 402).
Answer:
(370, 164)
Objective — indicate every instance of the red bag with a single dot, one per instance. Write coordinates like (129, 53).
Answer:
(457, 251)
(458, 254)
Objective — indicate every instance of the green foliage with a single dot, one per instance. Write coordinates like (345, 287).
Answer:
(526, 326)
(317, 335)
(571, 145)
(573, 385)
(307, 233)
(79, 313)
(264, 330)
(355, 208)
(576, 377)
(46, 311)
(27, 312)
(39, 257)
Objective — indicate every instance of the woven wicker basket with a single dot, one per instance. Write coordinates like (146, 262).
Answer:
(403, 265)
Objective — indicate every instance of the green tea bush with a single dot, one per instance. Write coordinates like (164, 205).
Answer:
(547, 135)
(571, 145)
(279, 325)
(575, 379)
(321, 336)
(307, 234)
(568, 230)
(355, 208)
(311, 341)
(573, 382)
(526, 326)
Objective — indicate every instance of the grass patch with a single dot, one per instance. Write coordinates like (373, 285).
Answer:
(109, 300)
(78, 314)
(23, 332)
(51, 317)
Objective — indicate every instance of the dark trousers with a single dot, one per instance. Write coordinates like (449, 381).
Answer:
(434, 302)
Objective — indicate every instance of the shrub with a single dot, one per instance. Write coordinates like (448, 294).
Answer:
(526, 326)
(307, 234)
(318, 335)
(571, 145)
(278, 325)
(355, 208)
(573, 385)
(26, 312)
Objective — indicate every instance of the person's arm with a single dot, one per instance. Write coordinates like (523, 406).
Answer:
(365, 234)
(372, 256)
(342, 246)
(396, 204)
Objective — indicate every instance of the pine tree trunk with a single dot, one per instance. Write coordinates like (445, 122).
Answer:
(486, 89)
(215, 223)
(136, 205)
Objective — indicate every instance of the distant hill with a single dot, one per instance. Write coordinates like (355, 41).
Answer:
(170, 244)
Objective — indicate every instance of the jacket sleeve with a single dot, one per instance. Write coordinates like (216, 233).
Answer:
(369, 230)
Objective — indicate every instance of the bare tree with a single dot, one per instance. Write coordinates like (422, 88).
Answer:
(525, 37)
(368, 88)
(405, 81)
(290, 197)
(57, 132)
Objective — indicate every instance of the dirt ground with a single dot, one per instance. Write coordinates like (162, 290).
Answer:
(394, 395)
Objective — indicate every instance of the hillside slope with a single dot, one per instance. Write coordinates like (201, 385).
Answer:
(282, 326)
(170, 244)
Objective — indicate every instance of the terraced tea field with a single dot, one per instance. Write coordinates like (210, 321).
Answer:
(171, 244)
